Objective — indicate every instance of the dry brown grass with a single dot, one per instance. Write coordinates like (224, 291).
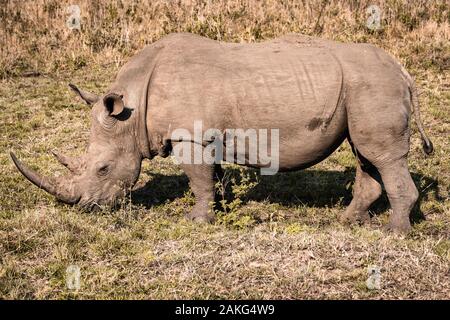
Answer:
(36, 37)
(283, 241)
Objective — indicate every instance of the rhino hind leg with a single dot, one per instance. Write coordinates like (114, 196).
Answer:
(402, 194)
(379, 130)
(366, 190)
(400, 188)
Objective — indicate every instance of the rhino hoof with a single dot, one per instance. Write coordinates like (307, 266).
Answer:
(398, 228)
(359, 218)
(201, 217)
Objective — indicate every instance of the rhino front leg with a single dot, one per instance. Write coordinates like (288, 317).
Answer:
(201, 180)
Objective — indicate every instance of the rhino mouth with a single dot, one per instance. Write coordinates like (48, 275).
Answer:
(91, 205)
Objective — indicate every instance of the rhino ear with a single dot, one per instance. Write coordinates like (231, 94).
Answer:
(89, 98)
(114, 104)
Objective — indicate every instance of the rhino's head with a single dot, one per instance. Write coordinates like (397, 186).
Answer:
(112, 162)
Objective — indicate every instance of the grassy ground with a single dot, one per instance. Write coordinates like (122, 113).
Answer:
(282, 238)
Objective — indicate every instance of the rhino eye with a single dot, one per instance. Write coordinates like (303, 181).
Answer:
(103, 170)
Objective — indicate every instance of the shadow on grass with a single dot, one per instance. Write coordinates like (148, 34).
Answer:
(313, 188)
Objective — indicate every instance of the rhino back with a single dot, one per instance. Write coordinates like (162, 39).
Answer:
(264, 85)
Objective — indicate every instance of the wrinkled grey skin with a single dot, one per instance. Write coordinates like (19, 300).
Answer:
(316, 92)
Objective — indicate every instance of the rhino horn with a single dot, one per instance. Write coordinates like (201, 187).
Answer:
(73, 164)
(62, 189)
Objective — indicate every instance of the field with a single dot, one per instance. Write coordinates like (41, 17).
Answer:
(280, 236)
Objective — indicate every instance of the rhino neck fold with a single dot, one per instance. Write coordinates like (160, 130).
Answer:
(143, 140)
(142, 136)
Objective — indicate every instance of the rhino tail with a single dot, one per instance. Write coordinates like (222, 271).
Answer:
(427, 145)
